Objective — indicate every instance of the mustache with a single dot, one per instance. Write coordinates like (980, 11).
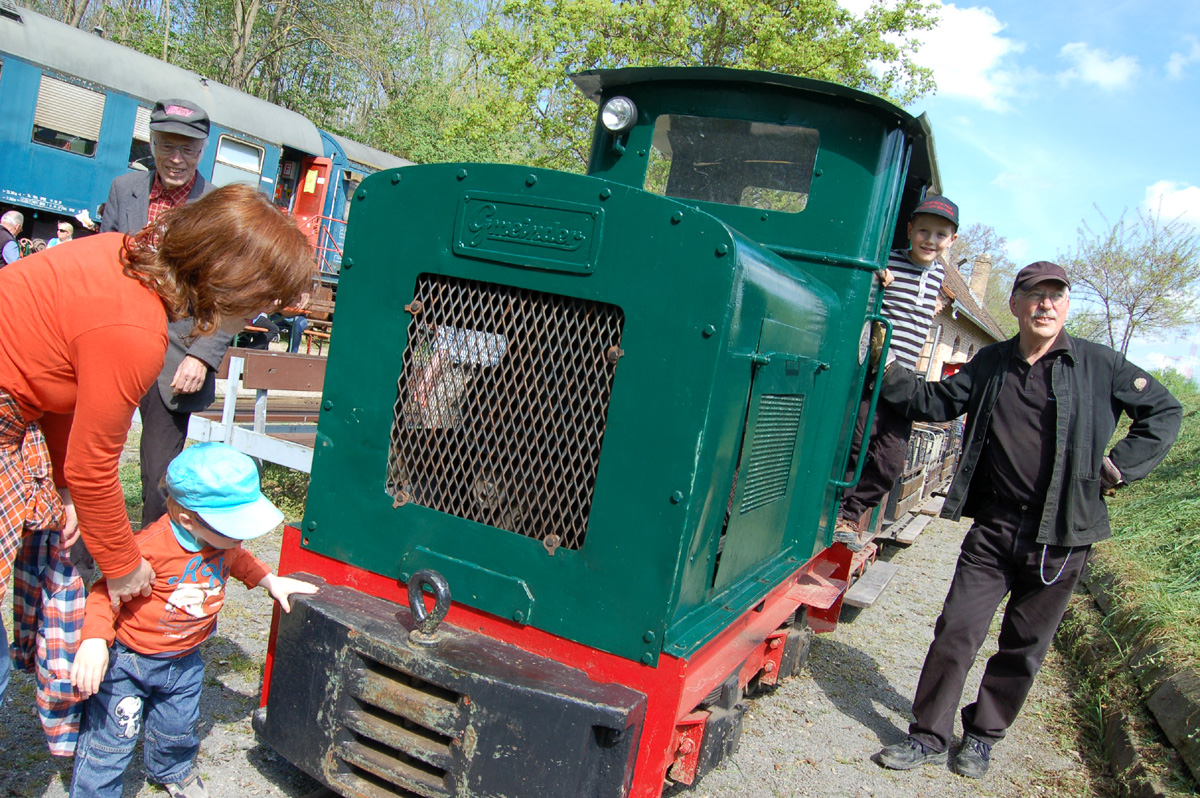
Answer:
(1045, 314)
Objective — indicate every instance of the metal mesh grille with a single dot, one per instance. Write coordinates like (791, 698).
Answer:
(502, 405)
(770, 461)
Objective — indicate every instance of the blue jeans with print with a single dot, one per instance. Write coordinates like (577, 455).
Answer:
(163, 693)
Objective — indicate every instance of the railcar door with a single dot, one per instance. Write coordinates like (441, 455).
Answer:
(310, 197)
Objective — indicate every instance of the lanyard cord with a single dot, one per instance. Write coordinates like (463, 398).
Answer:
(1042, 570)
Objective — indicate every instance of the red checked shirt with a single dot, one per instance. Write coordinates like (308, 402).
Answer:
(164, 199)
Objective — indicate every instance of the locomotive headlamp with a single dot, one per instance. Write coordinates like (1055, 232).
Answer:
(618, 115)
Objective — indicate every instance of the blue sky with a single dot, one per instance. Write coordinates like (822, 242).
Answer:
(1046, 111)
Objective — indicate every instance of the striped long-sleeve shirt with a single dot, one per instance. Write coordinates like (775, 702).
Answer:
(909, 303)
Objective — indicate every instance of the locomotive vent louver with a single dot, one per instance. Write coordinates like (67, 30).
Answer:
(398, 734)
(770, 462)
(502, 404)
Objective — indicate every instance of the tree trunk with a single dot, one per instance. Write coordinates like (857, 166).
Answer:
(243, 29)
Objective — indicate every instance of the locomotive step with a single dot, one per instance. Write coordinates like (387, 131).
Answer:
(866, 591)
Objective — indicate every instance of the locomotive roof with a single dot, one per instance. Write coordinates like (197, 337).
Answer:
(596, 83)
(72, 52)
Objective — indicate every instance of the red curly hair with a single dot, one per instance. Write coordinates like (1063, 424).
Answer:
(230, 253)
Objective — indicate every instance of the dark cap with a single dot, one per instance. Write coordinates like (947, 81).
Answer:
(938, 206)
(180, 117)
(1038, 272)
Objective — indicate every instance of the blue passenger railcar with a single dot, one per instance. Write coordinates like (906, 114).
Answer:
(77, 111)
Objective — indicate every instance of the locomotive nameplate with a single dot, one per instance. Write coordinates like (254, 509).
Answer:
(533, 232)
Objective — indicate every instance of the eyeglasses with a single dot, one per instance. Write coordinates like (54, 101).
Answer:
(1038, 297)
(168, 150)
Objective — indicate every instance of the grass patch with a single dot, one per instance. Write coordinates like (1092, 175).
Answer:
(287, 489)
(1103, 687)
(1155, 550)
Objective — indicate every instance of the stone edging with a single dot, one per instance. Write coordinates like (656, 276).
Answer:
(1173, 700)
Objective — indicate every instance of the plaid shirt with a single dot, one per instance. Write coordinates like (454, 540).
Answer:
(163, 199)
(48, 595)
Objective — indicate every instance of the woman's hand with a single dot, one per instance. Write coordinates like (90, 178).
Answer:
(139, 582)
(70, 531)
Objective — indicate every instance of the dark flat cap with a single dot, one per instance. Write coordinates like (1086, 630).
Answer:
(180, 117)
(1038, 272)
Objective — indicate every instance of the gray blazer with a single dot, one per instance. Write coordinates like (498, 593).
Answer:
(125, 211)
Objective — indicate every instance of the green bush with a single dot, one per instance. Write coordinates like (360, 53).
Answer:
(1177, 383)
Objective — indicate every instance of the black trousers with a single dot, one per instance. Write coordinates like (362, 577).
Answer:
(164, 432)
(887, 448)
(999, 556)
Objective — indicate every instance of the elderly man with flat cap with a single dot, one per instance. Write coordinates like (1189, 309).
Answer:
(187, 384)
(1041, 409)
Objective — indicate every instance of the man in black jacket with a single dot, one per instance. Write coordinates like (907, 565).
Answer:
(1041, 409)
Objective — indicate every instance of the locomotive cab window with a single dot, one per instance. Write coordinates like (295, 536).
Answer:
(733, 162)
(67, 116)
(237, 162)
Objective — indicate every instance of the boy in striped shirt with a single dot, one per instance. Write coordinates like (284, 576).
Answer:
(911, 285)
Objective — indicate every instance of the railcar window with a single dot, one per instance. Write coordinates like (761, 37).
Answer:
(67, 116)
(140, 156)
(733, 162)
(237, 162)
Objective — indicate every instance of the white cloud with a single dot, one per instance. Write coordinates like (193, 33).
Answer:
(1179, 61)
(970, 58)
(1099, 67)
(965, 51)
(1175, 200)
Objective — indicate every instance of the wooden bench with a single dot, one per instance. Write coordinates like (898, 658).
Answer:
(320, 320)
(279, 428)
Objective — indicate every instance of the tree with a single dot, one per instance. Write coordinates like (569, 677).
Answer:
(1142, 274)
(974, 242)
(532, 45)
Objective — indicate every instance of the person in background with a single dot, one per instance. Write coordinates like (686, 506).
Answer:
(187, 384)
(83, 333)
(66, 231)
(1041, 410)
(141, 663)
(11, 224)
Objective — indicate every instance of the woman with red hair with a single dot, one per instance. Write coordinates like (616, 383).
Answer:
(83, 334)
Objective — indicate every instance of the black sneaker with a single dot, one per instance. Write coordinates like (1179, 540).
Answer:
(911, 753)
(973, 758)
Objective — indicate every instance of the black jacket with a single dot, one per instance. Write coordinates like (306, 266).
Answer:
(1092, 384)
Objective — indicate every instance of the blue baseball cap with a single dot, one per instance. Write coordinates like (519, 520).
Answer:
(220, 484)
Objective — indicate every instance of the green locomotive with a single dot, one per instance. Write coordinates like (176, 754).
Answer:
(606, 418)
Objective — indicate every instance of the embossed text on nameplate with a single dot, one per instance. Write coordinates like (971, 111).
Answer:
(538, 233)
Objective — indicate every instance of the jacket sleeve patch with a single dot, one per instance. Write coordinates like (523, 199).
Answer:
(1140, 383)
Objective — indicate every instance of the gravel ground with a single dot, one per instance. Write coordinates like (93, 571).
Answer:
(812, 737)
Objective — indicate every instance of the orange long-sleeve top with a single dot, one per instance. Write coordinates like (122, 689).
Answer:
(80, 343)
(189, 591)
